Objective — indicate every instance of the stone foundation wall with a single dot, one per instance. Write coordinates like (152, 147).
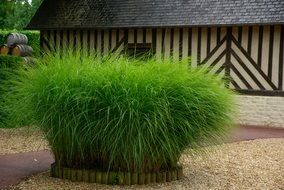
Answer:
(261, 110)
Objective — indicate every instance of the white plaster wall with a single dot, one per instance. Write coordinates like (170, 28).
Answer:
(261, 110)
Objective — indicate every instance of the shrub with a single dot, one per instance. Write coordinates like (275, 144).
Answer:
(33, 36)
(119, 114)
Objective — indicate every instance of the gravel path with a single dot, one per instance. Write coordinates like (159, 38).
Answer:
(27, 139)
(257, 164)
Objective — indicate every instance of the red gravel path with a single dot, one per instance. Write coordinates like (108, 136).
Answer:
(16, 167)
(244, 133)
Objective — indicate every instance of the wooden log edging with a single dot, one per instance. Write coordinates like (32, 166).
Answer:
(116, 178)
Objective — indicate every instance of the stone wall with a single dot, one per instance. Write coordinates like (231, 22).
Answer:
(261, 110)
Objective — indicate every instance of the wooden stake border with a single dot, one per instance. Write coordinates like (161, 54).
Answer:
(115, 178)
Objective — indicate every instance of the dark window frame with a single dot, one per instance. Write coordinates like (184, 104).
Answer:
(137, 50)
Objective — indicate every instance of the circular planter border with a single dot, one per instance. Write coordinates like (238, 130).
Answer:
(120, 178)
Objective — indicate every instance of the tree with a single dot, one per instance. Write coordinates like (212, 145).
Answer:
(17, 13)
(6, 9)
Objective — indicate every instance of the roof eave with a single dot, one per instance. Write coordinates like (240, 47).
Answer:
(31, 27)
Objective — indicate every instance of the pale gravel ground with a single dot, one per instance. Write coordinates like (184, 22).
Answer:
(26, 139)
(257, 164)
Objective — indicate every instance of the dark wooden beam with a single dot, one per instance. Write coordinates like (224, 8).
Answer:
(261, 92)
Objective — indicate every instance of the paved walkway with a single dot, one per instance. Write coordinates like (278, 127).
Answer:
(16, 167)
(244, 133)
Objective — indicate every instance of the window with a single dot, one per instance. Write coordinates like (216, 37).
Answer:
(137, 50)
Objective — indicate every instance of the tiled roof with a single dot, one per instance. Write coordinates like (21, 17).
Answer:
(55, 14)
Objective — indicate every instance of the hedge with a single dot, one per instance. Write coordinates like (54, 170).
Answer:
(10, 61)
(33, 36)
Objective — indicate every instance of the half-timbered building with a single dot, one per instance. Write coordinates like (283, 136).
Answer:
(242, 39)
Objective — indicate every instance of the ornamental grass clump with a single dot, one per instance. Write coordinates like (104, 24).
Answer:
(119, 114)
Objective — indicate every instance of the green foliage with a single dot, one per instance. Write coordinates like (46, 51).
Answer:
(16, 14)
(6, 8)
(10, 61)
(120, 114)
(8, 64)
(33, 36)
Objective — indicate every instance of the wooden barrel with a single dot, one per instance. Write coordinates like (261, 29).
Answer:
(29, 60)
(22, 50)
(16, 38)
(4, 49)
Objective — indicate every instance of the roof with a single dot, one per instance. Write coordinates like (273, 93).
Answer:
(58, 14)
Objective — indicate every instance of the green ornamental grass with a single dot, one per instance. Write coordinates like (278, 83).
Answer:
(8, 66)
(120, 114)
